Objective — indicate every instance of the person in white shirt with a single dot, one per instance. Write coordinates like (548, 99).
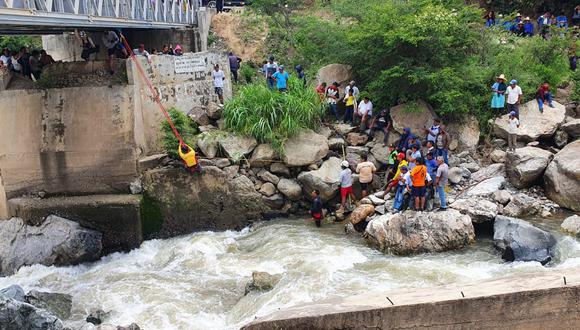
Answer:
(5, 58)
(218, 82)
(355, 91)
(514, 97)
(142, 52)
(433, 131)
(365, 112)
(514, 124)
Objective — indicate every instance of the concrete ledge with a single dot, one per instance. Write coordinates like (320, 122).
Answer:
(116, 216)
(529, 301)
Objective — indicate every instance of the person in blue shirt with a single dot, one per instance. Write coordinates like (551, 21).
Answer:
(562, 21)
(300, 73)
(432, 165)
(281, 78)
(403, 144)
(528, 27)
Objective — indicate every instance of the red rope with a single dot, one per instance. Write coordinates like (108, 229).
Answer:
(153, 91)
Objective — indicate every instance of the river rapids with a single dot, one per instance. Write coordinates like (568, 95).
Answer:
(197, 281)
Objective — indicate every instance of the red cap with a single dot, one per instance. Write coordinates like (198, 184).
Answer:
(401, 155)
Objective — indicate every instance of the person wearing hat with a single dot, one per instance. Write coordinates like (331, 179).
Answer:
(269, 69)
(401, 163)
(528, 27)
(514, 97)
(352, 86)
(87, 45)
(281, 78)
(498, 90)
(345, 185)
(177, 51)
(519, 29)
(513, 125)
(140, 51)
(332, 99)
(403, 143)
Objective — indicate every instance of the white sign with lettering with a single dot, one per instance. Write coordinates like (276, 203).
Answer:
(188, 64)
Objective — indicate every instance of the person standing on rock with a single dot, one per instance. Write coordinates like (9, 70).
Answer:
(433, 131)
(543, 95)
(441, 181)
(218, 82)
(402, 182)
(234, 65)
(281, 78)
(350, 103)
(403, 143)
(345, 185)
(365, 112)
(514, 124)
(332, 99)
(352, 86)
(514, 97)
(366, 170)
(269, 70)
(432, 166)
(442, 144)
(418, 178)
(498, 94)
(316, 208)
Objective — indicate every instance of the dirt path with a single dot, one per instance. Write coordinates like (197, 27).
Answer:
(245, 38)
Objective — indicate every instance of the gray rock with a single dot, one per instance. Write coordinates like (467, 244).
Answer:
(520, 241)
(561, 177)
(570, 225)
(422, 115)
(237, 147)
(58, 304)
(522, 205)
(132, 326)
(97, 317)
(268, 177)
(491, 171)
(262, 281)
(466, 131)
(381, 209)
(455, 175)
(525, 166)
(454, 161)
(324, 131)
(480, 210)
(534, 124)
(290, 189)
(502, 196)
(17, 315)
(420, 232)
(498, 156)
(208, 144)
(499, 143)
(380, 153)
(561, 138)
(279, 168)
(336, 144)
(222, 162)
(213, 111)
(13, 292)
(276, 201)
(56, 241)
(305, 148)
(136, 187)
(356, 139)
(471, 166)
(232, 171)
(326, 179)
(268, 189)
(487, 187)
(343, 129)
(199, 116)
(263, 156)
(376, 200)
(572, 128)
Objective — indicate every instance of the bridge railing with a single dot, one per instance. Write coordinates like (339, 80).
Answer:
(181, 12)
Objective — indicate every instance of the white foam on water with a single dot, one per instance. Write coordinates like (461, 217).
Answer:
(197, 281)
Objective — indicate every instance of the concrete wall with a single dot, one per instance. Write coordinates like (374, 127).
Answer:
(530, 301)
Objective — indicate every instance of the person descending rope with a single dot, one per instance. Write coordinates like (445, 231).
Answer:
(189, 158)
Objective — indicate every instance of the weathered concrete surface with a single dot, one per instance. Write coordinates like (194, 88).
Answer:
(530, 301)
(115, 216)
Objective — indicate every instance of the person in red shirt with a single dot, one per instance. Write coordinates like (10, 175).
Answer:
(543, 95)
(321, 90)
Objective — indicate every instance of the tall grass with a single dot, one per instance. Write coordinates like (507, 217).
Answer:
(271, 116)
(186, 128)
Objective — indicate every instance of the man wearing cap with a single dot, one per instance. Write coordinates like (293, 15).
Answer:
(140, 51)
(514, 97)
(345, 185)
(528, 27)
(519, 29)
(281, 78)
(355, 91)
(514, 124)
(498, 94)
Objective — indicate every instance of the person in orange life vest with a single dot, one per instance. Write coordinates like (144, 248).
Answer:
(189, 158)
(419, 176)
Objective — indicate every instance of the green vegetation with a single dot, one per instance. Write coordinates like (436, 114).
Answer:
(248, 72)
(16, 42)
(151, 217)
(186, 128)
(271, 116)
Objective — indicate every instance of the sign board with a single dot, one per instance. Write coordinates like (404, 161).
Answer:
(189, 64)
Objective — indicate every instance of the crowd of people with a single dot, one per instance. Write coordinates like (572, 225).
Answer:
(25, 63)
(525, 26)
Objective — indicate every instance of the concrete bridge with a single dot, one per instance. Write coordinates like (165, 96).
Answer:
(55, 16)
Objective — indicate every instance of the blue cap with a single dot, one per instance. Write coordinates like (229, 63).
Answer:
(280, 67)
(412, 136)
(513, 82)
(513, 113)
(406, 130)
(403, 168)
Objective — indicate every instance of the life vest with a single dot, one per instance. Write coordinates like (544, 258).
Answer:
(418, 175)
(189, 157)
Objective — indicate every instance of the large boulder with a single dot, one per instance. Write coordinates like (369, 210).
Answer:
(487, 187)
(357, 139)
(572, 128)
(305, 148)
(17, 315)
(13, 292)
(521, 205)
(336, 144)
(361, 213)
(465, 132)
(520, 241)
(290, 189)
(208, 144)
(237, 147)
(480, 210)
(533, 123)
(178, 203)
(262, 281)
(572, 225)
(326, 179)
(562, 177)
(491, 171)
(455, 175)
(418, 232)
(498, 156)
(339, 73)
(526, 165)
(380, 153)
(262, 156)
(58, 304)
(415, 116)
(56, 241)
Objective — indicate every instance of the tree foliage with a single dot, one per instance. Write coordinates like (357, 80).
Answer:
(186, 128)
(16, 42)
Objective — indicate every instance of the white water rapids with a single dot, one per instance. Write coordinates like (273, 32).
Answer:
(197, 281)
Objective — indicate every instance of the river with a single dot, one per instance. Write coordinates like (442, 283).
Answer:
(197, 281)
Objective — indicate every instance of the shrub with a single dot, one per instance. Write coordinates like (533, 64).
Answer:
(186, 128)
(271, 116)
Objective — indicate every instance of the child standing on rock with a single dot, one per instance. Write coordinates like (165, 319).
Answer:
(514, 124)
(316, 209)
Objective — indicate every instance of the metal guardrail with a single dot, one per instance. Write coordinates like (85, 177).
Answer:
(98, 13)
